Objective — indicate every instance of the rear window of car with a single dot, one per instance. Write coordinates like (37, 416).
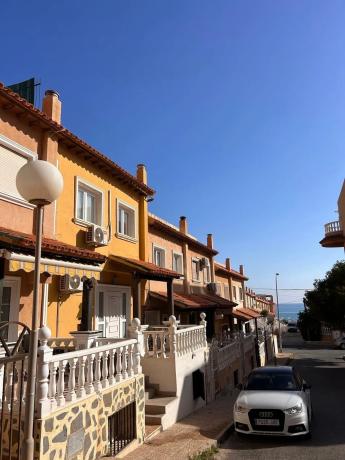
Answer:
(272, 381)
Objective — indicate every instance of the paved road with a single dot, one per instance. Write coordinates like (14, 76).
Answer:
(324, 369)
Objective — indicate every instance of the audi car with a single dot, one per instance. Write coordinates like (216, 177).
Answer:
(274, 401)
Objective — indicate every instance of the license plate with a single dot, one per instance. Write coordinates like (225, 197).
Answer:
(267, 421)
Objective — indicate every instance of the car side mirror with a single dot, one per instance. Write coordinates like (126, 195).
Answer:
(239, 386)
(306, 386)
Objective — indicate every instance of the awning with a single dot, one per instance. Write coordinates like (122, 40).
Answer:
(142, 269)
(245, 314)
(18, 261)
(197, 301)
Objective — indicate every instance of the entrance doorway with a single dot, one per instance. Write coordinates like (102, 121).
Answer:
(112, 310)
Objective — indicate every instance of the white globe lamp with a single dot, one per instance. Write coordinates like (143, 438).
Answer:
(39, 182)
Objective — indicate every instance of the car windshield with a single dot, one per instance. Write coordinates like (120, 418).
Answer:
(274, 381)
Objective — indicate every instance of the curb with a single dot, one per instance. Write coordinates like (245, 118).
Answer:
(224, 434)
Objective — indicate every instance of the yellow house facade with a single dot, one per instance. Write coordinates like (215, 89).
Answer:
(95, 246)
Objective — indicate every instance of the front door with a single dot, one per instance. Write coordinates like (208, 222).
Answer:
(113, 310)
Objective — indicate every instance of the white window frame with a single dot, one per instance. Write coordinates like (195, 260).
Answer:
(159, 248)
(24, 152)
(118, 233)
(180, 254)
(207, 273)
(80, 182)
(197, 260)
(14, 282)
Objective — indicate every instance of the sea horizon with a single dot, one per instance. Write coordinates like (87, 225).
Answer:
(289, 311)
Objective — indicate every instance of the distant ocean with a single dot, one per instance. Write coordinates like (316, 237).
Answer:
(290, 310)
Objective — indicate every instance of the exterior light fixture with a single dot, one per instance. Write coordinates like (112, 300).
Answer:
(40, 183)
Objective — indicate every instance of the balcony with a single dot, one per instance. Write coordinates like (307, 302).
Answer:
(334, 236)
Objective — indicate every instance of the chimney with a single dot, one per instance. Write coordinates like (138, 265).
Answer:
(210, 240)
(228, 263)
(52, 105)
(183, 225)
(142, 173)
(241, 270)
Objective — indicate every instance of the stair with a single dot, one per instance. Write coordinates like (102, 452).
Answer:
(156, 408)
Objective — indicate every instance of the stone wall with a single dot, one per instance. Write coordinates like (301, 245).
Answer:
(80, 430)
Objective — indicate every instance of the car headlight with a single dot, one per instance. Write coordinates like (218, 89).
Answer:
(294, 410)
(240, 408)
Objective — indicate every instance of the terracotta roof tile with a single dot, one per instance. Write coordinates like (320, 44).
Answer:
(197, 301)
(66, 134)
(14, 240)
(165, 228)
(231, 272)
(145, 267)
(248, 312)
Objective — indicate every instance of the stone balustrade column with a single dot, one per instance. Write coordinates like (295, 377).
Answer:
(203, 322)
(172, 335)
(45, 353)
(135, 332)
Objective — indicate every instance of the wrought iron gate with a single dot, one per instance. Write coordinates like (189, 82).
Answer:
(121, 429)
(13, 377)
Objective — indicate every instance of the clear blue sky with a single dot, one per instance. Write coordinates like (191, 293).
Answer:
(236, 107)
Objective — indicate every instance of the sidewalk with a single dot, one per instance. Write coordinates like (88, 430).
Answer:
(197, 432)
(193, 434)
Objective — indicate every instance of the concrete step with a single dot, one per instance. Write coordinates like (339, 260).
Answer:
(150, 392)
(155, 419)
(158, 405)
(151, 431)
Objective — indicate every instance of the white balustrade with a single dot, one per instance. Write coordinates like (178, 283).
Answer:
(70, 376)
(62, 343)
(332, 227)
(171, 341)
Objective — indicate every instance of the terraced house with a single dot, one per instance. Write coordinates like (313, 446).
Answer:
(94, 265)
(174, 248)
(107, 266)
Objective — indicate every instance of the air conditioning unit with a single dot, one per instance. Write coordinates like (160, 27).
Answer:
(96, 236)
(212, 287)
(69, 283)
(203, 263)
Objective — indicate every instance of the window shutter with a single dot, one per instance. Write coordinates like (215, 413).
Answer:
(10, 163)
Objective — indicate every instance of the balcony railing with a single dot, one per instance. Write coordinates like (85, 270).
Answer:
(332, 227)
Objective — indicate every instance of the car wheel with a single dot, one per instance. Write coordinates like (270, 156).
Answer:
(342, 346)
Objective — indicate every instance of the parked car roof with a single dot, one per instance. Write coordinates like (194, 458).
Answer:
(270, 369)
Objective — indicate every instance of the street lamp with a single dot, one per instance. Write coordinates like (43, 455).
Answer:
(279, 329)
(40, 183)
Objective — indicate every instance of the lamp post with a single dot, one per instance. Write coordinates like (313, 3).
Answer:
(40, 183)
(279, 329)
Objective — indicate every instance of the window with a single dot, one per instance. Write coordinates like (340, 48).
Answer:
(226, 292)
(159, 256)
(88, 204)
(234, 292)
(241, 293)
(12, 157)
(177, 263)
(195, 270)
(207, 274)
(126, 222)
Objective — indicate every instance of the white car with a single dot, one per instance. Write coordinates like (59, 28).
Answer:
(274, 401)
